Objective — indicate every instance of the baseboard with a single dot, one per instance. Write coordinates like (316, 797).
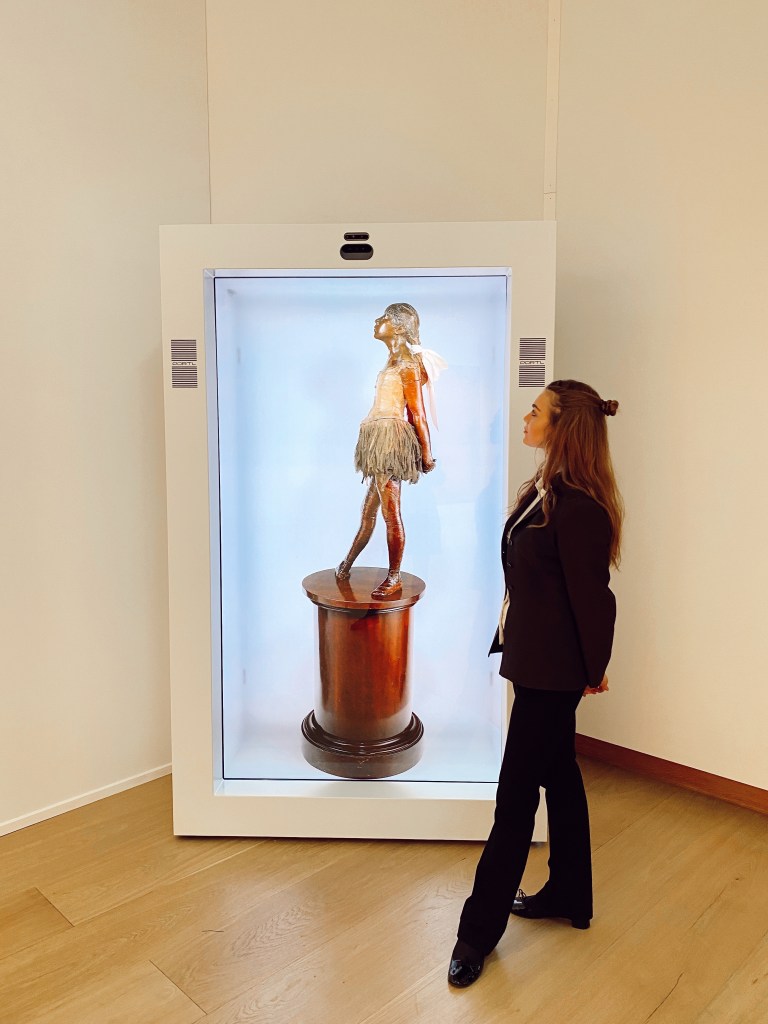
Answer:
(677, 774)
(80, 801)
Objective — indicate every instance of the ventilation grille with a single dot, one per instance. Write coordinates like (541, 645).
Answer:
(533, 353)
(183, 363)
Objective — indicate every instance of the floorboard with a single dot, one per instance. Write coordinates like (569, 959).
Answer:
(25, 918)
(107, 918)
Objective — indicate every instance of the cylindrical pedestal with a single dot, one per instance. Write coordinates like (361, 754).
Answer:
(362, 726)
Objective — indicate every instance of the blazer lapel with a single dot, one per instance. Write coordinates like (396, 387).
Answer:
(525, 520)
(509, 529)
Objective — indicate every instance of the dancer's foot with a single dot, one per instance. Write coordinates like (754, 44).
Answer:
(342, 573)
(391, 587)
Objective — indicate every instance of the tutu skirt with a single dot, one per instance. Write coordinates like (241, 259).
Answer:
(388, 446)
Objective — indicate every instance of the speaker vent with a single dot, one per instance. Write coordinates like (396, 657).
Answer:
(533, 353)
(183, 363)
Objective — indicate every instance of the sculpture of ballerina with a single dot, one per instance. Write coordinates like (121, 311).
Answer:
(393, 444)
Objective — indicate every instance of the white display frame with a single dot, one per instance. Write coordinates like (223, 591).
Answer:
(191, 257)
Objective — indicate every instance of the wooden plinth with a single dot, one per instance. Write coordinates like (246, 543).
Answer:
(362, 726)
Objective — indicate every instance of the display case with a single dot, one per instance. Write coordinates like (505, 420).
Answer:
(300, 705)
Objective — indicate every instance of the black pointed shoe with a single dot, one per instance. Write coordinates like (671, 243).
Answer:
(536, 907)
(464, 971)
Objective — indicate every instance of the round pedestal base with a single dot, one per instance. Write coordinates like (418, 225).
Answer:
(370, 759)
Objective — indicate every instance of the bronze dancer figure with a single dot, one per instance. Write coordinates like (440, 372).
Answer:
(394, 443)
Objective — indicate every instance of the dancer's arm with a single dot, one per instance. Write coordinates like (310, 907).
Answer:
(417, 417)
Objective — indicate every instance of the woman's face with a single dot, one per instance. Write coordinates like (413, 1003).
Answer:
(383, 328)
(537, 422)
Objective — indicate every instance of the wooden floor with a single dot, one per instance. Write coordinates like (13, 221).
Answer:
(106, 918)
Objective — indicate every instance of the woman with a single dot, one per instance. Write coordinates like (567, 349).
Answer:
(393, 444)
(555, 636)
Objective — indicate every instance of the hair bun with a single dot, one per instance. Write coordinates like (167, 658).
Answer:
(609, 406)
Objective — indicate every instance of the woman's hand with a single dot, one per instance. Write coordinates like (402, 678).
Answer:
(598, 689)
(428, 464)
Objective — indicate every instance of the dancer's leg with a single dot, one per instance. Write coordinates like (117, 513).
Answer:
(368, 512)
(389, 494)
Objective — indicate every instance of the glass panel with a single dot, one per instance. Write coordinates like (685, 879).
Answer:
(297, 361)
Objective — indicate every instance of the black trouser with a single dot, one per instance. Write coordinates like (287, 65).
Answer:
(540, 751)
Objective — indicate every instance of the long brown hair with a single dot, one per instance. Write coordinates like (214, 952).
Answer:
(578, 454)
(402, 314)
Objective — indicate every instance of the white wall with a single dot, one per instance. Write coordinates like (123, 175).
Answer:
(105, 137)
(418, 109)
(663, 304)
(103, 107)
(407, 110)
(661, 223)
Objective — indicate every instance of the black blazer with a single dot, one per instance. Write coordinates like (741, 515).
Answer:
(558, 631)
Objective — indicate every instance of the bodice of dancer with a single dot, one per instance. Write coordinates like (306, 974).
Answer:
(389, 400)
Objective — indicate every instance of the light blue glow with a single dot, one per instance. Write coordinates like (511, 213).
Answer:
(297, 362)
